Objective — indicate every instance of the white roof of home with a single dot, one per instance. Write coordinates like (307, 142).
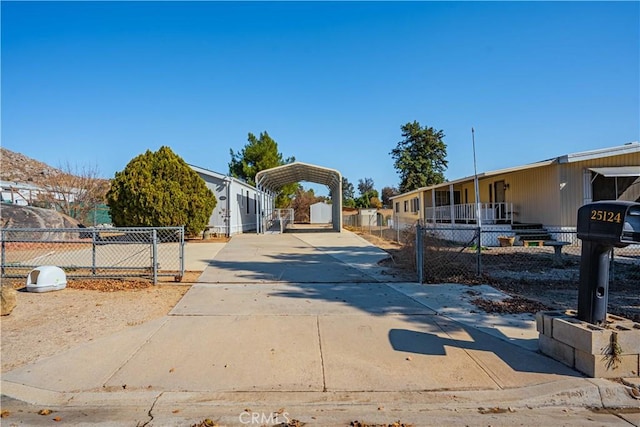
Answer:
(220, 176)
(629, 148)
(20, 186)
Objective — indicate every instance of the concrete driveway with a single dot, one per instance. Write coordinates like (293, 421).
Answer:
(311, 322)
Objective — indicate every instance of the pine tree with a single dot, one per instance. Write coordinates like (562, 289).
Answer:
(158, 189)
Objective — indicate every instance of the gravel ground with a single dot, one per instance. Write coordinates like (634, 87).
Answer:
(532, 289)
(44, 324)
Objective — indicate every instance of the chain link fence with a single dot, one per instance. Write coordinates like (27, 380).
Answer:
(377, 224)
(95, 252)
(452, 254)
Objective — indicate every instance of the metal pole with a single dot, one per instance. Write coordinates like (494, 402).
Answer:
(612, 266)
(3, 252)
(419, 255)
(154, 255)
(93, 251)
(182, 243)
(478, 210)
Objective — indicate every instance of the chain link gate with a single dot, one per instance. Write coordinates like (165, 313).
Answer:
(147, 252)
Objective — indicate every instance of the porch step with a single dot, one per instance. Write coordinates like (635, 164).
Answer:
(525, 226)
(531, 234)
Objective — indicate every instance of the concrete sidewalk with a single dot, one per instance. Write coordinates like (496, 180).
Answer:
(263, 333)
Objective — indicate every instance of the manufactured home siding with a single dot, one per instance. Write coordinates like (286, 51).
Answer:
(572, 183)
(216, 183)
(533, 193)
(235, 211)
(243, 198)
(404, 216)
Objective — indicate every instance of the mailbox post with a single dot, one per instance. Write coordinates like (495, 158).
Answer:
(601, 227)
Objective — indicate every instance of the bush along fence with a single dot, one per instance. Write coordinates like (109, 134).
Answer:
(146, 252)
(451, 255)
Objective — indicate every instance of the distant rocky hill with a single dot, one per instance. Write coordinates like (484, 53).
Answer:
(17, 167)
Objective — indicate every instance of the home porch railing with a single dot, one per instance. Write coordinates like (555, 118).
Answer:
(490, 213)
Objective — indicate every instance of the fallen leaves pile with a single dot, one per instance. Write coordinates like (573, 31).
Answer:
(205, 423)
(109, 285)
(394, 424)
(513, 305)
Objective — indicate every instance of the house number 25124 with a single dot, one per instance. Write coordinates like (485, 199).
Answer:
(606, 216)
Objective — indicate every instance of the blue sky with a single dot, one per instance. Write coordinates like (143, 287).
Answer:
(97, 83)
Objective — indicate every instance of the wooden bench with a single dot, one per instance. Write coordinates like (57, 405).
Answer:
(557, 248)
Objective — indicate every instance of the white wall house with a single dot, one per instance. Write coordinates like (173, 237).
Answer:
(238, 203)
(25, 194)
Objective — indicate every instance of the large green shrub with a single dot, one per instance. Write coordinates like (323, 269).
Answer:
(158, 189)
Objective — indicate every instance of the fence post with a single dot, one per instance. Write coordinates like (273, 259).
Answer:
(479, 253)
(612, 267)
(3, 256)
(93, 251)
(419, 250)
(154, 255)
(182, 243)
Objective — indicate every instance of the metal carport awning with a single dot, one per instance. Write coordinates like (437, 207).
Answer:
(617, 171)
(274, 179)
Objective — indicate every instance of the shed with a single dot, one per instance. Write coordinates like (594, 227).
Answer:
(321, 213)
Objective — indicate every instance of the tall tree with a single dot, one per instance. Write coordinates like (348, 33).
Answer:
(158, 189)
(348, 193)
(365, 185)
(76, 191)
(368, 199)
(387, 194)
(420, 158)
(301, 204)
(257, 155)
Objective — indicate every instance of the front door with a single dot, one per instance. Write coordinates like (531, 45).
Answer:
(498, 190)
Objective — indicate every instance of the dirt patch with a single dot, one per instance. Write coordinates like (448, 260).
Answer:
(513, 305)
(44, 324)
(531, 278)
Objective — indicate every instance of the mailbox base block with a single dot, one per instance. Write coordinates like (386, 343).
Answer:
(608, 351)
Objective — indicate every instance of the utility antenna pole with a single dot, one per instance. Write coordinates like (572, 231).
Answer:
(478, 210)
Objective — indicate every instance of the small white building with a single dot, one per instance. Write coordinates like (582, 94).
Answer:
(237, 205)
(321, 213)
(22, 194)
(368, 217)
